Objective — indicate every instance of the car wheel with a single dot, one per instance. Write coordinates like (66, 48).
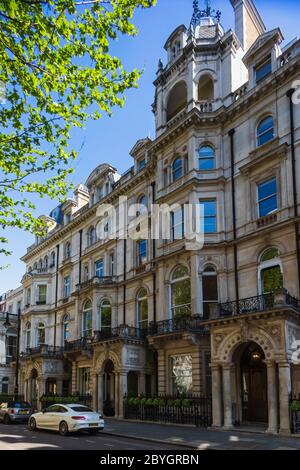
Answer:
(63, 429)
(6, 420)
(32, 424)
(93, 431)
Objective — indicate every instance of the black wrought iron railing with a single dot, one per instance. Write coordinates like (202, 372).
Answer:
(44, 349)
(194, 410)
(183, 323)
(258, 304)
(122, 331)
(81, 344)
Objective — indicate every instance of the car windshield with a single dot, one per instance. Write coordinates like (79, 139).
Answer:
(81, 409)
(18, 404)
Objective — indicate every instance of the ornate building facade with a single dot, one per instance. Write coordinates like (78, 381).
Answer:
(112, 316)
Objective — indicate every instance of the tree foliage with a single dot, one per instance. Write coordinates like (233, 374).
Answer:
(56, 72)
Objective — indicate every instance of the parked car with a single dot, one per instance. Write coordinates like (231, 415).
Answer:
(67, 419)
(15, 412)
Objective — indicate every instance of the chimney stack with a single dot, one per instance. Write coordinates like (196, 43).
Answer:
(248, 22)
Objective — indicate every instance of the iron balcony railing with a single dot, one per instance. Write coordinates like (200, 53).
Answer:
(182, 323)
(106, 334)
(44, 350)
(122, 332)
(259, 303)
(96, 280)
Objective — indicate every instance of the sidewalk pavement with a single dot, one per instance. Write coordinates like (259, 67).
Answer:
(190, 437)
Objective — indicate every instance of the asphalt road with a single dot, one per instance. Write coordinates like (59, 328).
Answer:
(18, 437)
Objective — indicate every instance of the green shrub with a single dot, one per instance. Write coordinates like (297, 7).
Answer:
(131, 401)
(170, 402)
(156, 401)
(177, 402)
(295, 405)
(149, 402)
(137, 401)
(162, 402)
(186, 402)
(143, 401)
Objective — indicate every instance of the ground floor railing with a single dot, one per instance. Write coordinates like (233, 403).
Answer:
(48, 400)
(295, 414)
(194, 410)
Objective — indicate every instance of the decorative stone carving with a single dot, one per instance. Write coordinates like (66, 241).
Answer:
(133, 357)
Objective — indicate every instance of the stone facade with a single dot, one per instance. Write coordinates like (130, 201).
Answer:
(220, 319)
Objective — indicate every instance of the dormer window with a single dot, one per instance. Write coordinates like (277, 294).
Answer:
(263, 70)
(141, 164)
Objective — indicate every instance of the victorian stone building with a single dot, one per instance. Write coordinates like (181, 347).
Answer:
(109, 315)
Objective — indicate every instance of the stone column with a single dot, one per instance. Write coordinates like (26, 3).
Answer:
(74, 377)
(100, 393)
(141, 383)
(123, 391)
(59, 386)
(227, 396)
(272, 398)
(216, 395)
(117, 393)
(196, 285)
(95, 392)
(284, 397)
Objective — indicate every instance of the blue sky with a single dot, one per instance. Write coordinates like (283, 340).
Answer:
(110, 139)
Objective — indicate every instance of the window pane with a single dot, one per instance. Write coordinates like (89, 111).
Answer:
(106, 316)
(210, 219)
(177, 225)
(272, 279)
(263, 70)
(210, 288)
(182, 374)
(267, 189)
(181, 297)
(206, 164)
(143, 313)
(99, 268)
(267, 206)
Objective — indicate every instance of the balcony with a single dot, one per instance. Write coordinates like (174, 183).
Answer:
(81, 344)
(96, 281)
(192, 323)
(260, 303)
(44, 350)
(120, 332)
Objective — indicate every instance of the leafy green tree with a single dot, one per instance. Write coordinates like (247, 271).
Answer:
(56, 72)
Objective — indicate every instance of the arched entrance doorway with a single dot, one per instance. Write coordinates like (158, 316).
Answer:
(109, 388)
(253, 383)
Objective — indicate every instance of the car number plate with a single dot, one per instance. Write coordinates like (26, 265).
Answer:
(93, 424)
(23, 412)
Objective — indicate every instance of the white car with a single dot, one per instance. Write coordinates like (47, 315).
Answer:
(67, 419)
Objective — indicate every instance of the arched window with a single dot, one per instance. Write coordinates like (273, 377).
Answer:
(46, 262)
(87, 319)
(52, 258)
(4, 385)
(27, 335)
(143, 203)
(177, 100)
(177, 169)
(206, 88)
(68, 250)
(91, 236)
(270, 271)
(105, 315)
(265, 130)
(66, 327)
(141, 252)
(35, 266)
(41, 264)
(41, 334)
(209, 290)
(207, 159)
(180, 292)
(142, 309)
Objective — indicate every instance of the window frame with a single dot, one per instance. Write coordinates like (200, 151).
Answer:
(175, 170)
(206, 158)
(260, 66)
(215, 216)
(139, 300)
(141, 259)
(260, 134)
(87, 332)
(260, 201)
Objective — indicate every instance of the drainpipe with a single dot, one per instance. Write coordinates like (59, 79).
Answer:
(295, 194)
(124, 286)
(56, 293)
(80, 255)
(153, 257)
(235, 254)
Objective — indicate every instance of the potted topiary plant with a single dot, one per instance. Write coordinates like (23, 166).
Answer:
(295, 409)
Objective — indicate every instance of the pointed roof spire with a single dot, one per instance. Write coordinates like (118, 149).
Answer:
(208, 12)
